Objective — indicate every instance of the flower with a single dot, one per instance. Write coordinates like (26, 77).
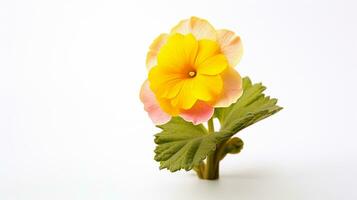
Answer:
(191, 71)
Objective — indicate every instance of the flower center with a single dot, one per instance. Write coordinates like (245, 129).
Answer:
(192, 73)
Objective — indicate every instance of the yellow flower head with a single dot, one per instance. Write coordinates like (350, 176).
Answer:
(191, 72)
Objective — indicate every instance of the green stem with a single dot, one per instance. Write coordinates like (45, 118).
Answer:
(210, 126)
(211, 170)
(200, 170)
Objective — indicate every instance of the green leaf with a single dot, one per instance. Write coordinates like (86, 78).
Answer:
(250, 108)
(182, 145)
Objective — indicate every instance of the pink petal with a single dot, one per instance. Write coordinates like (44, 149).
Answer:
(157, 115)
(199, 113)
(151, 57)
(232, 88)
(200, 28)
(231, 46)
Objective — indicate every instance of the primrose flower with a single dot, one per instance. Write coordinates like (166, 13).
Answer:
(191, 71)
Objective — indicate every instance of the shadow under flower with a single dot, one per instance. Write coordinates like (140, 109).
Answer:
(261, 182)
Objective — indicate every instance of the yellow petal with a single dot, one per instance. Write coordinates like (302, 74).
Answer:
(206, 49)
(213, 65)
(207, 88)
(165, 105)
(170, 54)
(178, 52)
(190, 49)
(231, 46)
(164, 82)
(185, 99)
(200, 28)
(151, 57)
(170, 89)
(232, 88)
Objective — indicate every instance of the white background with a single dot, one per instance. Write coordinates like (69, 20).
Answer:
(72, 126)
